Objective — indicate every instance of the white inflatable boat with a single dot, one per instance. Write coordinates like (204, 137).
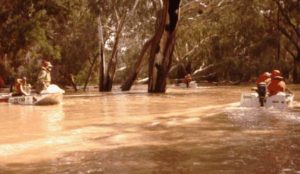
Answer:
(279, 101)
(192, 84)
(52, 95)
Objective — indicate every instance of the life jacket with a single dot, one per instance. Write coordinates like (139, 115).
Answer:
(276, 85)
(18, 86)
(263, 78)
(45, 76)
(44, 80)
(187, 79)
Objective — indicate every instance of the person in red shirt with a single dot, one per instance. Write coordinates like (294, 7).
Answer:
(277, 84)
(187, 79)
(264, 78)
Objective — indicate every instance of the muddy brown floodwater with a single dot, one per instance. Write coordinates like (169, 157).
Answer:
(194, 131)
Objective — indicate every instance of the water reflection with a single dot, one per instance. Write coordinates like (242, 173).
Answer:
(52, 118)
(35, 128)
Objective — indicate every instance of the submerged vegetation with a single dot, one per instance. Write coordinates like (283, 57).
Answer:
(216, 40)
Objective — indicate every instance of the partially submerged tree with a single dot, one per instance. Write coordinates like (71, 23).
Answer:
(107, 68)
(162, 46)
(188, 8)
(136, 68)
(236, 39)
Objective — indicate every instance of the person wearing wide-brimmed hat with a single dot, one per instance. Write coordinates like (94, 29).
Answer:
(277, 83)
(264, 78)
(44, 77)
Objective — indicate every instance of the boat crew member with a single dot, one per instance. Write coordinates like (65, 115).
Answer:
(275, 73)
(277, 84)
(44, 77)
(187, 79)
(264, 78)
(262, 82)
(21, 87)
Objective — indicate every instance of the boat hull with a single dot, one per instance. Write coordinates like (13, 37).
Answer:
(45, 99)
(279, 101)
(192, 84)
(4, 97)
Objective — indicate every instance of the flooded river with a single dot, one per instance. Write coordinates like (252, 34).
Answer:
(193, 131)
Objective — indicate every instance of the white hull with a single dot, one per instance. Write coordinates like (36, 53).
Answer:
(192, 84)
(279, 101)
(44, 99)
(4, 97)
(51, 96)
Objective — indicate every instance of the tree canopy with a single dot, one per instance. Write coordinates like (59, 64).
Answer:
(227, 40)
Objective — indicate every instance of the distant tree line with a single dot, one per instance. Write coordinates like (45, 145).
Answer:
(118, 41)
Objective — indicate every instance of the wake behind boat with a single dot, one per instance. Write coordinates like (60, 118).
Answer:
(52, 95)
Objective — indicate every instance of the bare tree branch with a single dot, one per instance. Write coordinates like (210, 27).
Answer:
(287, 18)
(290, 52)
(192, 6)
(137, 67)
(283, 31)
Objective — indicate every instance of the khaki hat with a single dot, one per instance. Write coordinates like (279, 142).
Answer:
(46, 63)
(267, 74)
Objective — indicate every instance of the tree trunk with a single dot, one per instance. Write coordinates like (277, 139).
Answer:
(102, 67)
(107, 74)
(111, 68)
(162, 47)
(296, 76)
(72, 81)
(136, 69)
(89, 74)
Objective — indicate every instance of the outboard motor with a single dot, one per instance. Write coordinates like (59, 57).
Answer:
(262, 92)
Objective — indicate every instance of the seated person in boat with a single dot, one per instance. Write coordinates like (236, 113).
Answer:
(44, 77)
(187, 79)
(277, 84)
(264, 78)
(21, 87)
(262, 82)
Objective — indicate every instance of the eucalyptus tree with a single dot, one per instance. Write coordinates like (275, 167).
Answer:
(285, 17)
(188, 8)
(79, 44)
(234, 42)
(26, 28)
(119, 26)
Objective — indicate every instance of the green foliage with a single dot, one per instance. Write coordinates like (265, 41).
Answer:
(237, 38)
(240, 38)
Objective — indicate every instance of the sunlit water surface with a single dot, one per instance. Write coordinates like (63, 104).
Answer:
(199, 130)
